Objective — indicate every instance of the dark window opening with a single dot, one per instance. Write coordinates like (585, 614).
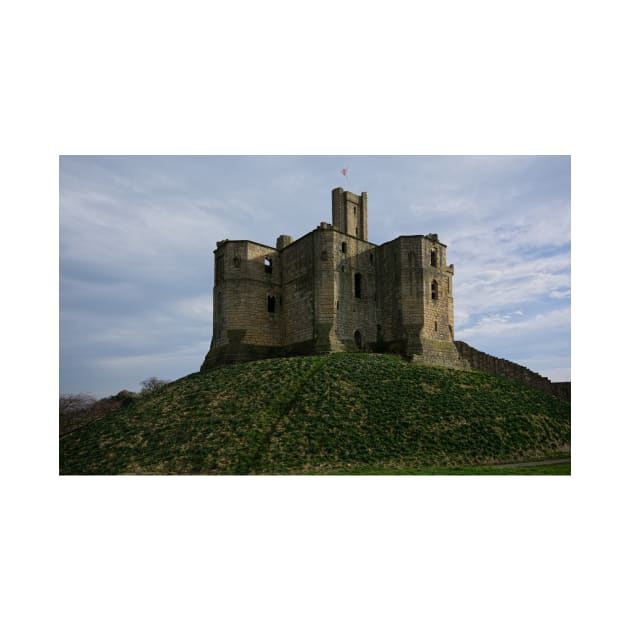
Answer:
(434, 290)
(371, 259)
(357, 339)
(218, 270)
(268, 264)
(355, 210)
(237, 261)
(357, 285)
(337, 304)
(435, 326)
(271, 304)
(356, 231)
(433, 258)
(344, 248)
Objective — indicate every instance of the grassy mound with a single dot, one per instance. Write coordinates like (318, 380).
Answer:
(339, 412)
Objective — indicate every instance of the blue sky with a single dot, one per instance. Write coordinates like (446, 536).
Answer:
(137, 236)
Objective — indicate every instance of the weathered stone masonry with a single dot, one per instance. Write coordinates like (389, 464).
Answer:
(332, 290)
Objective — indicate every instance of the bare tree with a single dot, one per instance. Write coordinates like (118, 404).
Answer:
(152, 384)
(73, 411)
(79, 410)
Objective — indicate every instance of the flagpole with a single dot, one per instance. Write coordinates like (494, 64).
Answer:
(344, 172)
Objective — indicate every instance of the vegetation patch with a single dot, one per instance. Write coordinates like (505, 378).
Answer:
(336, 414)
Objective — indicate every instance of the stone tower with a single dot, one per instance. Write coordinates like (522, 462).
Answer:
(350, 213)
(332, 290)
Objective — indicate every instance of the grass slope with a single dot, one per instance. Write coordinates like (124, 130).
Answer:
(334, 413)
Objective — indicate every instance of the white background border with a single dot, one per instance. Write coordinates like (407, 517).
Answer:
(325, 78)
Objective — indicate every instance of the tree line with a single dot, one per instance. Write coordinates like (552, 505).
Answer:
(79, 410)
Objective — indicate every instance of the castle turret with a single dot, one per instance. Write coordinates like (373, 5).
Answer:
(349, 212)
(283, 241)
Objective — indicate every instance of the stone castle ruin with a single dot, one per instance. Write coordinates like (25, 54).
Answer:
(333, 291)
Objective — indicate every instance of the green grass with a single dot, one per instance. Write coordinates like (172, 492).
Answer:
(323, 414)
(547, 469)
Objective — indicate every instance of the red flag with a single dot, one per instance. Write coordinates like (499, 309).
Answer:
(344, 171)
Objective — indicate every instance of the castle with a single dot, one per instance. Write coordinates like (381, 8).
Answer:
(332, 290)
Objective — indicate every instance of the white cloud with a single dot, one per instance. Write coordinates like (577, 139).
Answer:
(503, 325)
(560, 295)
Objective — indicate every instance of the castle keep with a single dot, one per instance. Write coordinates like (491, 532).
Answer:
(332, 290)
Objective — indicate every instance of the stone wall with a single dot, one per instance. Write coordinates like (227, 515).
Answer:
(243, 284)
(298, 290)
(355, 286)
(483, 362)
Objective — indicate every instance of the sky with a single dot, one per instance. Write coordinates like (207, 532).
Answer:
(137, 235)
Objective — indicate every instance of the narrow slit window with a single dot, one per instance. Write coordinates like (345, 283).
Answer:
(271, 304)
(433, 258)
(344, 248)
(357, 285)
(435, 327)
(434, 290)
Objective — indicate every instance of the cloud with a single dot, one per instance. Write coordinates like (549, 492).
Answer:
(137, 236)
(504, 325)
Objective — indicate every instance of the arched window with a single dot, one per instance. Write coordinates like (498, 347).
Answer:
(357, 339)
(433, 258)
(357, 285)
(268, 264)
(271, 304)
(434, 290)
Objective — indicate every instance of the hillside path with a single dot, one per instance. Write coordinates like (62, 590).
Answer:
(539, 463)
